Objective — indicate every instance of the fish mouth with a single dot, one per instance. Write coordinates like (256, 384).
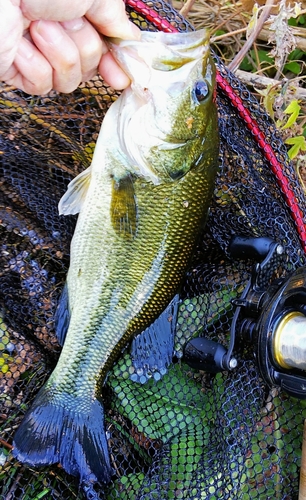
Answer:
(186, 45)
(159, 51)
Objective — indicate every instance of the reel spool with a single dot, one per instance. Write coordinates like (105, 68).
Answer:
(271, 317)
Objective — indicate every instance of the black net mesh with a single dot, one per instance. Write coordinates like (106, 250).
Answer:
(190, 434)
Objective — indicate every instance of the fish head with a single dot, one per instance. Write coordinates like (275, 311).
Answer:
(168, 115)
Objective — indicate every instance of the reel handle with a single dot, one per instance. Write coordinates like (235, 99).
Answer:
(205, 354)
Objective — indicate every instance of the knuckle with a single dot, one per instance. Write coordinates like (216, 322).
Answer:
(34, 90)
(66, 83)
(44, 76)
(69, 62)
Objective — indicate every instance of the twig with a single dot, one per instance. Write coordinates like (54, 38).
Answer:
(248, 44)
(11, 493)
(227, 35)
(226, 21)
(6, 444)
(263, 82)
(186, 7)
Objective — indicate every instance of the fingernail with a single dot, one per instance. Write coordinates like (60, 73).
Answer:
(50, 31)
(136, 33)
(25, 49)
(131, 32)
(74, 24)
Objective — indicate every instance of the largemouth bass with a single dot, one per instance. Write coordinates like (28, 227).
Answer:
(142, 205)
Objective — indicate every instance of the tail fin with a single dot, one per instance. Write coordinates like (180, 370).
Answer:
(66, 434)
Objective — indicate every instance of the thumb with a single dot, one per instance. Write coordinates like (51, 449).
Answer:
(110, 19)
(11, 29)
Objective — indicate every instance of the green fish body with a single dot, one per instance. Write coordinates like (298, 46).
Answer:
(141, 204)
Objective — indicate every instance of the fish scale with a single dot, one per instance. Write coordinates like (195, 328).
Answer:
(177, 247)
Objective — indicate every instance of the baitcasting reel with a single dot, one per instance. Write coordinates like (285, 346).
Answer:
(269, 317)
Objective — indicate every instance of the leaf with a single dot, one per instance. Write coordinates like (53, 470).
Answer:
(269, 94)
(295, 55)
(293, 66)
(293, 110)
(219, 33)
(297, 9)
(253, 21)
(298, 144)
(246, 65)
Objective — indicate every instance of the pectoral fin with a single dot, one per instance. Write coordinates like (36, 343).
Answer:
(123, 207)
(71, 202)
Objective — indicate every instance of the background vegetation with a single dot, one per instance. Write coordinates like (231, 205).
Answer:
(264, 44)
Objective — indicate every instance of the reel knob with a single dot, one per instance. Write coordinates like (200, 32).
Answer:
(205, 354)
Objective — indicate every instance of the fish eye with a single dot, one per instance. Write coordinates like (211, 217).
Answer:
(200, 91)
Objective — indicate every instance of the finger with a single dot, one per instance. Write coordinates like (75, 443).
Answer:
(88, 43)
(33, 70)
(16, 79)
(11, 27)
(112, 73)
(60, 51)
(57, 10)
(110, 18)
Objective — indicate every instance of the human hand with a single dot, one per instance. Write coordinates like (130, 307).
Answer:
(56, 45)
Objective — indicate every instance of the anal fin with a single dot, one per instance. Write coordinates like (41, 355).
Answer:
(152, 350)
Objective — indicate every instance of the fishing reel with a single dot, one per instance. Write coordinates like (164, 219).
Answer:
(269, 317)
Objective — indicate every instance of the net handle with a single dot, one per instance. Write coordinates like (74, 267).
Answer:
(302, 485)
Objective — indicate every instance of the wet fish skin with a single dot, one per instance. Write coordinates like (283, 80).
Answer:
(142, 205)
